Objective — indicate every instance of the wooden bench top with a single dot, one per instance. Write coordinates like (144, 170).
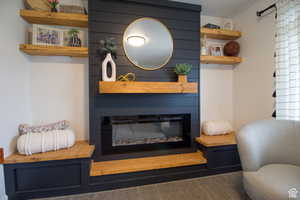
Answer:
(218, 140)
(81, 149)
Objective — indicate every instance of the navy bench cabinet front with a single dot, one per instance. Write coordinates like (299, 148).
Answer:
(45, 179)
(221, 156)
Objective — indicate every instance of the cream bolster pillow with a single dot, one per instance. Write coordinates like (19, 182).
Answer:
(61, 125)
(217, 127)
(31, 143)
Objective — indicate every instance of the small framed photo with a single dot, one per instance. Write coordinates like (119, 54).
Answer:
(47, 35)
(216, 50)
(73, 37)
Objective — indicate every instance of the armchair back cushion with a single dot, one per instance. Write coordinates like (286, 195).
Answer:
(269, 142)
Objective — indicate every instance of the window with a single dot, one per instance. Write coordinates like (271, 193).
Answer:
(288, 60)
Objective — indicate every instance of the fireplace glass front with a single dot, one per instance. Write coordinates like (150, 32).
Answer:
(145, 132)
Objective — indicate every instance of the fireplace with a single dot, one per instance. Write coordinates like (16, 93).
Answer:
(123, 134)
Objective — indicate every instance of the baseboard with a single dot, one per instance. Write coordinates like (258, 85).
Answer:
(3, 197)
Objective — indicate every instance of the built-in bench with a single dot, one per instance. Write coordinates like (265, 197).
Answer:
(220, 151)
(46, 174)
(72, 171)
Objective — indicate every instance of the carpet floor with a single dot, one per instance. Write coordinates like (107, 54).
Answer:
(219, 187)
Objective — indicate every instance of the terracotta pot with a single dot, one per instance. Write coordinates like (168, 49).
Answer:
(182, 78)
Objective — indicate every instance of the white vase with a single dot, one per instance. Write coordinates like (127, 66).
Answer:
(108, 59)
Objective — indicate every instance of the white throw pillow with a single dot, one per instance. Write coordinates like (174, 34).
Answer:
(31, 143)
(219, 127)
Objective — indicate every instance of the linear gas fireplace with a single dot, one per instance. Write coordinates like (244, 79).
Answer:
(123, 134)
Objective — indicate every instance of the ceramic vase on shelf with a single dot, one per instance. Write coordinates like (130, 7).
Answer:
(108, 60)
(182, 78)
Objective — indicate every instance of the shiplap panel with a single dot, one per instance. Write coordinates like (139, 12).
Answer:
(110, 19)
(113, 6)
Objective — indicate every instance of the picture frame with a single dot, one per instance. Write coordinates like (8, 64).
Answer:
(216, 50)
(67, 37)
(73, 6)
(46, 35)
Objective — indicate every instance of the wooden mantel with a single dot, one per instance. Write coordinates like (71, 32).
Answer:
(134, 87)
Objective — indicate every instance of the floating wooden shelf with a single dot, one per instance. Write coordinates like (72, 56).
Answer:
(40, 50)
(81, 149)
(146, 87)
(144, 164)
(226, 60)
(51, 18)
(221, 34)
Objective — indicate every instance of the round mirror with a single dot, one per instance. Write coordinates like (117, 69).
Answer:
(148, 43)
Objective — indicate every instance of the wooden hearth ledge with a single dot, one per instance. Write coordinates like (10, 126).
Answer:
(81, 149)
(148, 163)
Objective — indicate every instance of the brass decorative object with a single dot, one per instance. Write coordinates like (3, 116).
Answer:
(127, 77)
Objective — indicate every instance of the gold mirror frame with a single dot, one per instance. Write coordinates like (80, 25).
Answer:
(128, 57)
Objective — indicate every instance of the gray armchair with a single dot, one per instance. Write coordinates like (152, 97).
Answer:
(270, 156)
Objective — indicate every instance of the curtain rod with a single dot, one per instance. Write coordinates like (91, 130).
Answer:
(259, 13)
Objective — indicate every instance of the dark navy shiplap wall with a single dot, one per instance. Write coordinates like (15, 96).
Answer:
(109, 18)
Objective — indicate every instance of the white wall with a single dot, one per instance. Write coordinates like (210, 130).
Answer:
(253, 81)
(60, 91)
(14, 78)
(36, 90)
(242, 93)
(216, 85)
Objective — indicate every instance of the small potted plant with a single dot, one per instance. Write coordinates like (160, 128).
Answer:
(53, 4)
(182, 70)
(108, 46)
(74, 38)
(108, 50)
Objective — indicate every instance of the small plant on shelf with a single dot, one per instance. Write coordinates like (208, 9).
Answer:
(108, 51)
(108, 46)
(182, 70)
(53, 4)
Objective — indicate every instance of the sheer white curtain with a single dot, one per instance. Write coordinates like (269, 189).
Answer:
(288, 60)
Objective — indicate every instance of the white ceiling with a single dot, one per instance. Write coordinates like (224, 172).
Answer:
(220, 8)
